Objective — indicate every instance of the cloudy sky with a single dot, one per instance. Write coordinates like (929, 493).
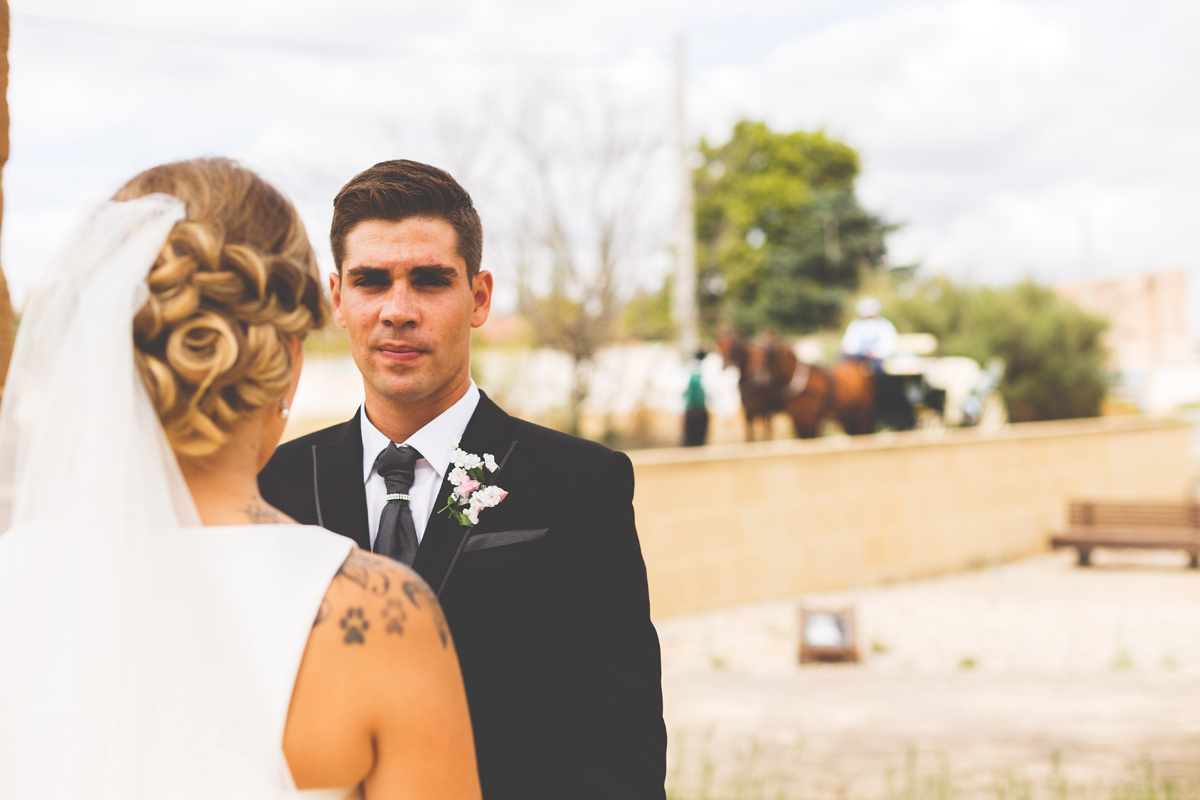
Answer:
(1057, 139)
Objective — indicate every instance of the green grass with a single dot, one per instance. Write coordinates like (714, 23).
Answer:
(748, 774)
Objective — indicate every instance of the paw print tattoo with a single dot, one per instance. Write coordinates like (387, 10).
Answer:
(395, 615)
(354, 625)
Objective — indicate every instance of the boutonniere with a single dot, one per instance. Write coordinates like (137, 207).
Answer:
(471, 495)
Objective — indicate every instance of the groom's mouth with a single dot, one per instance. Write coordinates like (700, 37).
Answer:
(400, 353)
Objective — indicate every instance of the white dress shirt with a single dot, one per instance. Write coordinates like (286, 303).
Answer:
(870, 337)
(434, 442)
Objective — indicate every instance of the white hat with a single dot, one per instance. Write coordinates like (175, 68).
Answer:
(868, 307)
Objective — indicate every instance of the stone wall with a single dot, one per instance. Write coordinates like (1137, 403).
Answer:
(732, 524)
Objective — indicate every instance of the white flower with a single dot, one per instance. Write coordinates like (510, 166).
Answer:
(489, 496)
(468, 492)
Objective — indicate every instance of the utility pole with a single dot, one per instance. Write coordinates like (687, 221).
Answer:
(683, 294)
(1085, 245)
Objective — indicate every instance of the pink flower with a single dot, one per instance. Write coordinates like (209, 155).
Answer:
(465, 488)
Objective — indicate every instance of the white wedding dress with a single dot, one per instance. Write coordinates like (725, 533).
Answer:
(142, 656)
(279, 573)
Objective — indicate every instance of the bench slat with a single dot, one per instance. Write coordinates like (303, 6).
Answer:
(1127, 531)
(1087, 514)
(1135, 543)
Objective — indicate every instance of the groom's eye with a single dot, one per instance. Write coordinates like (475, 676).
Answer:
(433, 277)
(366, 277)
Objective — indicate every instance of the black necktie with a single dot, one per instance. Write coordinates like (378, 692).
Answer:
(397, 536)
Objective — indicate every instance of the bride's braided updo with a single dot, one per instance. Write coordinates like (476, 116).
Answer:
(235, 282)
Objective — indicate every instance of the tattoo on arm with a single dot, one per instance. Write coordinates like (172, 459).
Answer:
(355, 626)
(417, 593)
(366, 572)
(396, 616)
(372, 576)
(323, 612)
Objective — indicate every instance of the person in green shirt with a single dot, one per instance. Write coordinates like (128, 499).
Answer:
(695, 407)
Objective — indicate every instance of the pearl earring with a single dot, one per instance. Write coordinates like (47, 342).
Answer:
(284, 408)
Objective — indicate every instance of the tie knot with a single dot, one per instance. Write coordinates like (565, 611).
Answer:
(397, 467)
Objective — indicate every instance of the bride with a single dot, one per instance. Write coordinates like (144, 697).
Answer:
(163, 632)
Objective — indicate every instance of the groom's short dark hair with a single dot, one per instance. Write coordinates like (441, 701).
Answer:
(396, 190)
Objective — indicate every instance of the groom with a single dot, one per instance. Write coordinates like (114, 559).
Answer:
(546, 596)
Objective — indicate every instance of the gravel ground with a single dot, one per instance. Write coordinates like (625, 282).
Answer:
(986, 679)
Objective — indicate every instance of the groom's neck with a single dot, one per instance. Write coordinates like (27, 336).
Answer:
(399, 419)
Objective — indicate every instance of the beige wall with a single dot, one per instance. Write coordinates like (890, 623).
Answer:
(734, 524)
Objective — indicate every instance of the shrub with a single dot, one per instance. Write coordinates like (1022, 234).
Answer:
(1052, 349)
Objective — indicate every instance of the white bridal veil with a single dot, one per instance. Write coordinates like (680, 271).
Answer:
(120, 676)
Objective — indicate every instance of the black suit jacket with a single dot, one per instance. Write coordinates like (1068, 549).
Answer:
(546, 598)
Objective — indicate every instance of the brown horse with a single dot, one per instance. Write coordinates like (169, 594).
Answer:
(771, 379)
(845, 391)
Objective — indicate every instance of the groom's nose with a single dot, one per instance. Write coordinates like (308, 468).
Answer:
(400, 305)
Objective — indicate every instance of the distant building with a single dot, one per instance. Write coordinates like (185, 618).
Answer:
(1150, 350)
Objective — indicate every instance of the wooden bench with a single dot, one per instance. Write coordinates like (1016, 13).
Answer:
(1163, 526)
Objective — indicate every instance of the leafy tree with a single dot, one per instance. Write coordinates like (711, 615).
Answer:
(647, 315)
(781, 237)
(1052, 349)
(582, 225)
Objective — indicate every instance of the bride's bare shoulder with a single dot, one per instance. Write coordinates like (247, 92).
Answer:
(378, 640)
(375, 603)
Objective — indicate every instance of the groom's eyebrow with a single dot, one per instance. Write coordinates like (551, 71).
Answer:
(368, 272)
(433, 271)
(372, 273)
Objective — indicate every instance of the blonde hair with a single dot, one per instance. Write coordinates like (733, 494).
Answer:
(236, 281)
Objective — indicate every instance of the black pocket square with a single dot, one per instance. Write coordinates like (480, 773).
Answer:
(482, 541)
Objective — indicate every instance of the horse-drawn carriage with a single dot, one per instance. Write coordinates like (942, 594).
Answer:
(912, 389)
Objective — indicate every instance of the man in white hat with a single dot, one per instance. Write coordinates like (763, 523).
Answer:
(870, 337)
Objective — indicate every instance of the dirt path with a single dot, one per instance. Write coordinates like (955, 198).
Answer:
(984, 676)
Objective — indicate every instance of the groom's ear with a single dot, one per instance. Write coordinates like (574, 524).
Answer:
(481, 289)
(335, 295)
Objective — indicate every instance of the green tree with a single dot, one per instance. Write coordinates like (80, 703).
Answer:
(1052, 349)
(647, 315)
(781, 237)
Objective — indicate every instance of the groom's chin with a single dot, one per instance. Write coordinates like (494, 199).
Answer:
(402, 386)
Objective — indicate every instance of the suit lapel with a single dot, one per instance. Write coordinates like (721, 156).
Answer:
(487, 432)
(341, 494)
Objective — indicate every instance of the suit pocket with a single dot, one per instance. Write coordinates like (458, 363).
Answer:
(486, 541)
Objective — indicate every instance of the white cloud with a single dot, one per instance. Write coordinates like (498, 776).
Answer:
(990, 127)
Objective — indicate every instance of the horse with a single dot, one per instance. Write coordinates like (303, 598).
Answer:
(771, 379)
(845, 391)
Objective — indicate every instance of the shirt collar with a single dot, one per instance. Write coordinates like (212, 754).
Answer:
(434, 442)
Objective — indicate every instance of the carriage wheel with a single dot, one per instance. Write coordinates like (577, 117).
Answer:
(994, 415)
(929, 419)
